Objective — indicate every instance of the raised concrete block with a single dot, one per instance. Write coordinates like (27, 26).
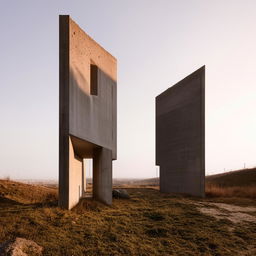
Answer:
(180, 136)
(87, 117)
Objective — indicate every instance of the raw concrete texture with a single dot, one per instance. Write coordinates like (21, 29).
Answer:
(180, 136)
(87, 114)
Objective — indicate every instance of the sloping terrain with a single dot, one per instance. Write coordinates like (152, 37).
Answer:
(241, 183)
(149, 223)
(25, 193)
(244, 178)
(136, 182)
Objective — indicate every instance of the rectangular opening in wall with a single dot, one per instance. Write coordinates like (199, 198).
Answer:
(94, 79)
(87, 177)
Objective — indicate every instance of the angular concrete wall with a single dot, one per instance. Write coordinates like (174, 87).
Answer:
(87, 113)
(180, 136)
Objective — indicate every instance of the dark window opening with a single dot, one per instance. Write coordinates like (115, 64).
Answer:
(94, 80)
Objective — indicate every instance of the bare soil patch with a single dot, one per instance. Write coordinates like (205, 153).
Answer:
(234, 213)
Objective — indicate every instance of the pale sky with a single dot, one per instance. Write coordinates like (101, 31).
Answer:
(156, 43)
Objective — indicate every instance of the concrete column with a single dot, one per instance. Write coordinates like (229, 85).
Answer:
(102, 175)
(75, 177)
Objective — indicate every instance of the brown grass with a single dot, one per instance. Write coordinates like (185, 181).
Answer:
(240, 184)
(213, 190)
(150, 223)
(24, 193)
(244, 178)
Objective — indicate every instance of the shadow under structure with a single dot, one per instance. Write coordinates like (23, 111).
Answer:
(87, 114)
(180, 136)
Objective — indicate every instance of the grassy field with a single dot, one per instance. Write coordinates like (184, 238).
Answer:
(241, 183)
(243, 178)
(149, 223)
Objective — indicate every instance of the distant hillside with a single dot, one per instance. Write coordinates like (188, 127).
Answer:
(145, 182)
(241, 178)
(25, 193)
(245, 177)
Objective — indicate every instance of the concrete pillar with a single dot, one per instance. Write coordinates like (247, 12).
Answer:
(75, 177)
(70, 184)
(102, 175)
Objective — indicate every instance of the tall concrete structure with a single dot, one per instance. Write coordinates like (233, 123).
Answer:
(180, 136)
(87, 114)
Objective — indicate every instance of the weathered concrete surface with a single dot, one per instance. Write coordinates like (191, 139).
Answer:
(87, 114)
(102, 175)
(180, 136)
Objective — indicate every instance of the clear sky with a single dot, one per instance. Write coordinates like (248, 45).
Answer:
(156, 43)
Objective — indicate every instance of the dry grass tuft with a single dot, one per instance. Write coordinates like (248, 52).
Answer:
(213, 190)
(87, 204)
(240, 183)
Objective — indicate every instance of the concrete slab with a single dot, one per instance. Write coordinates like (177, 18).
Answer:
(180, 136)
